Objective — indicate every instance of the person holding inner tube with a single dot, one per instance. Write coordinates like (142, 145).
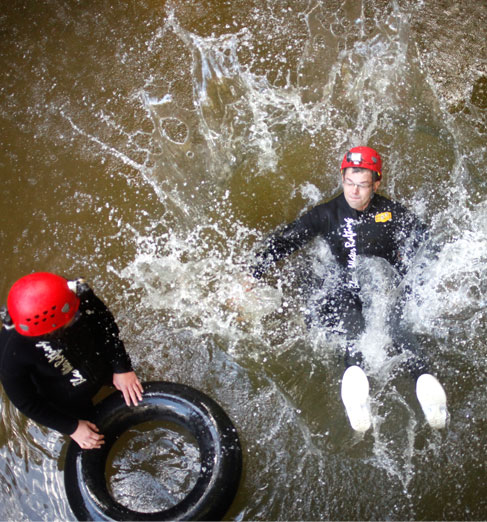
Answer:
(361, 222)
(59, 345)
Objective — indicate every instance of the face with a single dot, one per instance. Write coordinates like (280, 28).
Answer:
(358, 187)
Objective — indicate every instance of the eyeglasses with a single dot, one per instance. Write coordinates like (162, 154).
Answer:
(350, 183)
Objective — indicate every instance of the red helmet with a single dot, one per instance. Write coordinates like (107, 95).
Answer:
(363, 157)
(40, 303)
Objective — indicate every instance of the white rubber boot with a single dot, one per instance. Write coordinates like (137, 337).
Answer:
(432, 398)
(355, 397)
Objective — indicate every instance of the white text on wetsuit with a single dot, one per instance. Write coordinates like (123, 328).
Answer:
(350, 235)
(57, 359)
(351, 244)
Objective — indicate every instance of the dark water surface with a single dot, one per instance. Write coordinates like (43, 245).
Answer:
(149, 146)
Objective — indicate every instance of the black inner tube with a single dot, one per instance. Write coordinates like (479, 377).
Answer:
(217, 438)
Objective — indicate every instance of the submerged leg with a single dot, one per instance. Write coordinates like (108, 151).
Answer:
(342, 313)
(429, 391)
(347, 311)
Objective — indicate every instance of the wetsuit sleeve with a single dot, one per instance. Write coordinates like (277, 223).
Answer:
(113, 345)
(22, 393)
(410, 236)
(291, 238)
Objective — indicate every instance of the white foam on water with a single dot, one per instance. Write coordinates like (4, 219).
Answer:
(451, 287)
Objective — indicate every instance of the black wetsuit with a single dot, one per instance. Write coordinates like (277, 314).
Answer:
(52, 378)
(385, 229)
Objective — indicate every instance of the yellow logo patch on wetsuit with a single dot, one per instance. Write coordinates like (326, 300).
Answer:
(383, 217)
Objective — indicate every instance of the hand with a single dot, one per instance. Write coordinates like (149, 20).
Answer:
(87, 435)
(252, 300)
(130, 386)
(247, 282)
(78, 286)
(241, 287)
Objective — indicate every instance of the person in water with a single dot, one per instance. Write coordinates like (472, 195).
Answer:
(59, 345)
(360, 222)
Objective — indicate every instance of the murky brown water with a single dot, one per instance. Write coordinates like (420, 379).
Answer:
(149, 145)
